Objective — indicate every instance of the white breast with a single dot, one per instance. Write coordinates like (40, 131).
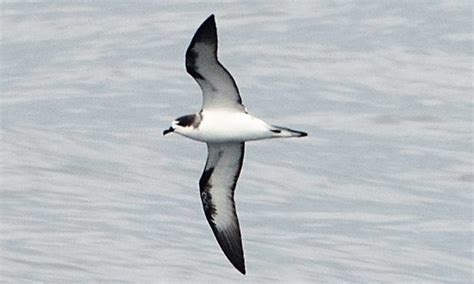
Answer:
(223, 126)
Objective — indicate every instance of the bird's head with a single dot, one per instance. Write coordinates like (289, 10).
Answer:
(182, 125)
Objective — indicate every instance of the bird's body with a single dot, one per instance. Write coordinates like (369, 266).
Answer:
(225, 125)
(222, 126)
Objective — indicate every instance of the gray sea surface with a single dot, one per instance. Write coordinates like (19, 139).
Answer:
(380, 191)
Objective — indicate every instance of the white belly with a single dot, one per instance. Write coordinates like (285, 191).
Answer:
(222, 126)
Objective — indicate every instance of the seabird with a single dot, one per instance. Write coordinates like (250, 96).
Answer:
(225, 125)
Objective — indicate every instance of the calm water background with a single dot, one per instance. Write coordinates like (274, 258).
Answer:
(381, 190)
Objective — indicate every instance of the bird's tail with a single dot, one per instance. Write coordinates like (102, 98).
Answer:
(286, 132)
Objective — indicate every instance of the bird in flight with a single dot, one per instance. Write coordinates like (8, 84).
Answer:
(225, 125)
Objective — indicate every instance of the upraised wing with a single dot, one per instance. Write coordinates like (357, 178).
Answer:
(217, 185)
(218, 87)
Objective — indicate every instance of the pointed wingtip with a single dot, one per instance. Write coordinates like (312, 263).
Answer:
(207, 32)
(237, 260)
(238, 263)
(232, 249)
(210, 20)
(241, 270)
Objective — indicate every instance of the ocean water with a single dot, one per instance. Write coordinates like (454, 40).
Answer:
(380, 191)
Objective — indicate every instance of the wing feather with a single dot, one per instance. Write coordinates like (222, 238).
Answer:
(218, 87)
(217, 186)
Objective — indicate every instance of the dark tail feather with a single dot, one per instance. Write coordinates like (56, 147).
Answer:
(286, 132)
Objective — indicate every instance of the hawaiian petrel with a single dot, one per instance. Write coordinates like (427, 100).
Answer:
(225, 125)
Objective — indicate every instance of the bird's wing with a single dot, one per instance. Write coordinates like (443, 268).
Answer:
(219, 89)
(217, 185)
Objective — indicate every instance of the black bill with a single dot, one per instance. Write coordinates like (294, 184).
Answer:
(171, 129)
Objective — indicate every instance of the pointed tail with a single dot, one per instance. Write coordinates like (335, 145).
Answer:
(286, 132)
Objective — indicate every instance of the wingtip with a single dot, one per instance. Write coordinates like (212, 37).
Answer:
(237, 261)
(239, 264)
(210, 19)
(207, 32)
(241, 270)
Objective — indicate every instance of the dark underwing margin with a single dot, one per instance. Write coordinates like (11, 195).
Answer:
(203, 65)
(206, 198)
(206, 34)
(191, 57)
(228, 162)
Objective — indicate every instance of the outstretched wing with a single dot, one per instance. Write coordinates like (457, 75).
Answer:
(219, 89)
(217, 185)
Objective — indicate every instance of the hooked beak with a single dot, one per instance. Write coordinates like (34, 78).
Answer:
(169, 130)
